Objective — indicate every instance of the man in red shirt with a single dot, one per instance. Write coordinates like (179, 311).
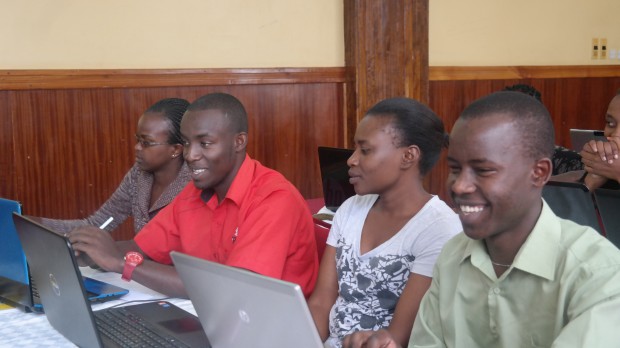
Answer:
(237, 212)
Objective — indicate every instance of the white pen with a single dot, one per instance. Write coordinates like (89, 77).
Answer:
(106, 223)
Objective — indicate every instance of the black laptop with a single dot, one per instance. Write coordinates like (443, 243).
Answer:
(16, 286)
(335, 176)
(54, 268)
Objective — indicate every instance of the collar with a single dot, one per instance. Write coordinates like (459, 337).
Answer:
(173, 189)
(537, 256)
(239, 186)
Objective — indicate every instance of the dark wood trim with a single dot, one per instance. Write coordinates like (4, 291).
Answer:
(459, 73)
(123, 78)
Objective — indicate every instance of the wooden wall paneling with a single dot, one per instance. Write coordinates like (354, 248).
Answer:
(67, 137)
(136, 78)
(521, 73)
(75, 149)
(8, 174)
(75, 145)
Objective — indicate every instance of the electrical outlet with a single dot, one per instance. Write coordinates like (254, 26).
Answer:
(595, 48)
(603, 49)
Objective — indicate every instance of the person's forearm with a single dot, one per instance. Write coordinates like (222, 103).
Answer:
(320, 314)
(594, 181)
(161, 278)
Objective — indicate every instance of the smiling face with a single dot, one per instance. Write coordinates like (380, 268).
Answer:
(154, 131)
(375, 166)
(492, 181)
(212, 150)
(612, 118)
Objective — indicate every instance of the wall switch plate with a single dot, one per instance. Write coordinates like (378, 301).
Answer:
(603, 54)
(612, 53)
(595, 48)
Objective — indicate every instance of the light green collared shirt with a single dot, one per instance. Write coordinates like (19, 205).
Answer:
(562, 290)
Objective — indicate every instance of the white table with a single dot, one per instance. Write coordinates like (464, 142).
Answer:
(20, 329)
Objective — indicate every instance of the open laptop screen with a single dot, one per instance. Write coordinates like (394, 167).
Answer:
(335, 176)
(579, 137)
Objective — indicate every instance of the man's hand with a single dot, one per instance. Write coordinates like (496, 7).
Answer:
(370, 339)
(99, 246)
(356, 339)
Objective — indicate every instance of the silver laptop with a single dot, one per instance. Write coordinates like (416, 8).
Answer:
(579, 137)
(239, 308)
(53, 266)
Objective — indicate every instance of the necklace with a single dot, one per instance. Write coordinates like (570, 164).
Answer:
(500, 264)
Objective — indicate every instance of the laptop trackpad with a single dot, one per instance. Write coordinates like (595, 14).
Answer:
(173, 320)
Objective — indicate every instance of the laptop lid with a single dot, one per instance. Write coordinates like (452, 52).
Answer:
(239, 308)
(572, 201)
(608, 203)
(54, 269)
(579, 137)
(63, 294)
(335, 176)
(14, 276)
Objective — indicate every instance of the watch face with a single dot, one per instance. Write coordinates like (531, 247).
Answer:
(134, 257)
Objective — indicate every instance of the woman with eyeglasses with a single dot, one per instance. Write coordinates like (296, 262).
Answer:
(157, 176)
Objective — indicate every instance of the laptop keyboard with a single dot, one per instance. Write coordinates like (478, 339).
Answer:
(33, 289)
(128, 330)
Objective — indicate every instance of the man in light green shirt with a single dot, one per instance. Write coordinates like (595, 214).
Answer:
(562, 290)
(518, 276)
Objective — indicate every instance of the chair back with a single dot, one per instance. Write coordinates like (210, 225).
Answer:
(572, 201)
(608, 203)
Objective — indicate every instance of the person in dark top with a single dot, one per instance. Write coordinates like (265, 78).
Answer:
(157, 176)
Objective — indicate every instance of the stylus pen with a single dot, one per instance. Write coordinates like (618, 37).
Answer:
(106, 223)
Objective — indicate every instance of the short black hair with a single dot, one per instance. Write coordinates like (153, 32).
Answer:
(532, 120)
(173, 110)
(229, 105)
(415, 124)
(527, 89)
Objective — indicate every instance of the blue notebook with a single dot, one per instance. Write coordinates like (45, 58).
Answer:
(16, 286)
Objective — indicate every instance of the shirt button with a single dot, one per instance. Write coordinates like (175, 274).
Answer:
(496, 290)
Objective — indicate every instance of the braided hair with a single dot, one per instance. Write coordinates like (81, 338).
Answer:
(173, 110)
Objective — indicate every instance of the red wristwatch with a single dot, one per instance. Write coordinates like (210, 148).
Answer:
(132, 260)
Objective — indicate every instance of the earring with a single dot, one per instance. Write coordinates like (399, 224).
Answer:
(174, 156)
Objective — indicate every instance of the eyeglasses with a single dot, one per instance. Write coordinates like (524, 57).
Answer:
(146, 143)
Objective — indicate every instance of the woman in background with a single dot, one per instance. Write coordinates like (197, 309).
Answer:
(600, 159)
(158, 175)
(384, 241)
